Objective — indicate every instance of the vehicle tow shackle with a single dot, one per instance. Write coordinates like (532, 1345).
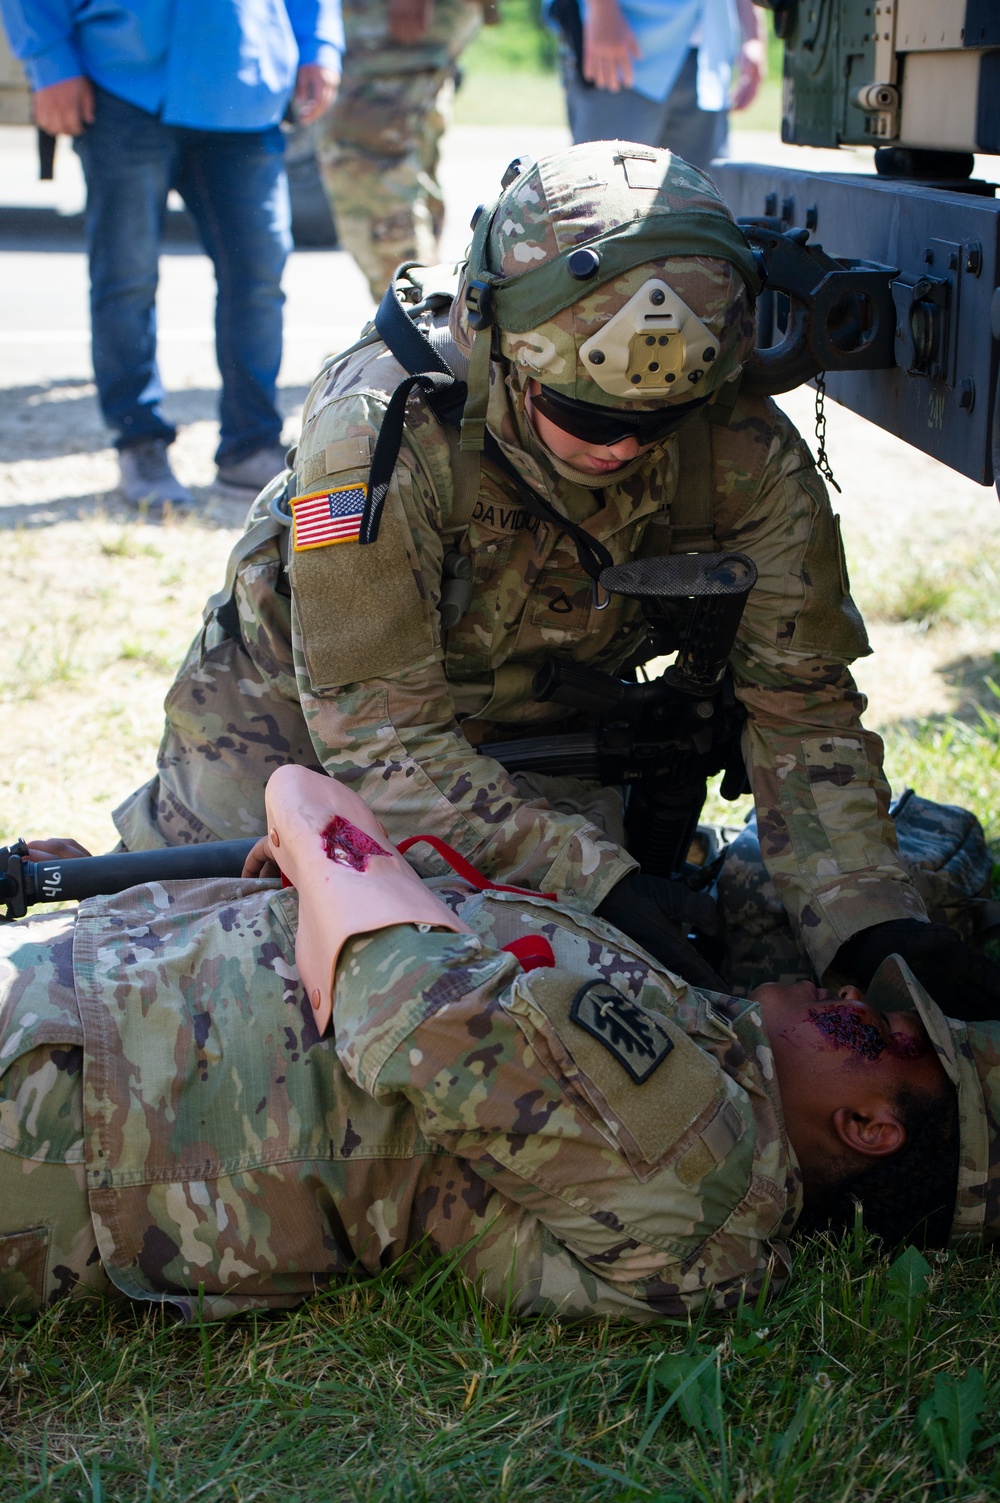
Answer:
(841, 313)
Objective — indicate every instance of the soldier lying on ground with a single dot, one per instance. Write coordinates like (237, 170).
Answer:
(504, 1081)
(400, 622)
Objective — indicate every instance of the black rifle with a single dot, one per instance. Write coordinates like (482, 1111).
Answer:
(662, 739)
(24, 882)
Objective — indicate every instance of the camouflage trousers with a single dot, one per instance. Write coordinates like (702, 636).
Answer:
(378, 147)
(942, 848)
(758, 941)
(48, 1247)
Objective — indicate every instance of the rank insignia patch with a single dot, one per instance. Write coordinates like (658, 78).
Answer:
(638, 1041)
(325, 517)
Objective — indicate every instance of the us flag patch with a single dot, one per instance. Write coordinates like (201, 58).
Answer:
(324, 517)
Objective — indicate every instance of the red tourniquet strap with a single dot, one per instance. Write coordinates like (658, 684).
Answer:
(532, 951)
(463, 868)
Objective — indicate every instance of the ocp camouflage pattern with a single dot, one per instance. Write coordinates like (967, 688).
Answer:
(537, 220)
(344, 663)
(378, 148)
(216, 1154)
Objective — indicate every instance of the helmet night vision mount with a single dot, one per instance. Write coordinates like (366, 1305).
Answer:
(653, 345)
(564, 229)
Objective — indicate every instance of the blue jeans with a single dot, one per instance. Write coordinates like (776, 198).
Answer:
(235, 186)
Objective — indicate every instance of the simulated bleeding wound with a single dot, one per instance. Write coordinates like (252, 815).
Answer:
(845, 1027)
(349, 846)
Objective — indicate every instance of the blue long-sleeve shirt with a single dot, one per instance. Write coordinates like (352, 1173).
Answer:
(208, 64)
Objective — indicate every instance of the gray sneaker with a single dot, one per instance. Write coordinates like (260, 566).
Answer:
(148, 480)
(253, 472)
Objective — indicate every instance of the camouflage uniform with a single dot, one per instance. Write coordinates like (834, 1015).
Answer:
(343, 663)
(170, 1121)
(941, 846)
(378, 147)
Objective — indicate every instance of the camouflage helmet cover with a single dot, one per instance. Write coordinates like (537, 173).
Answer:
(642, 218)
(970, 1055)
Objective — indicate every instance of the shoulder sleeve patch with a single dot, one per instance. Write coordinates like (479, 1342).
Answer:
(636, 1038)
(360, 611)
(325, 517)
(650, 1084)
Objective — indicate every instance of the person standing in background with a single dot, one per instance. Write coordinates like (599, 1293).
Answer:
(378, 149)
(663, 72)
(163, 94)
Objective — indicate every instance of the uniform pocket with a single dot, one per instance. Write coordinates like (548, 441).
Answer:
(24, 1260)
(471, 646)
(845, 803)
(660, 1098)
(829, 623)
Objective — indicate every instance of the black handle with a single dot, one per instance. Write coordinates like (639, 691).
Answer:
(28, 882)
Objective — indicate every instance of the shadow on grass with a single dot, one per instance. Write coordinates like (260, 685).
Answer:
(971, 677)
(48, 420)
(57, 420)
(212, 509)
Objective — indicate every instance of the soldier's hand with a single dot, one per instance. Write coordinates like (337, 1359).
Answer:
(410, 20)
(64, 108)
(57, 849)
(609, 47)
(750, 71)
(260, 861)
(964, 983)
(658, 914)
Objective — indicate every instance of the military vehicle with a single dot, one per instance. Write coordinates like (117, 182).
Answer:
(887, 282)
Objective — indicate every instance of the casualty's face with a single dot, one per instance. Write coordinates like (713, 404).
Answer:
(829, 1046)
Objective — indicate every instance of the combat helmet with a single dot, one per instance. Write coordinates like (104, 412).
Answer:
(613, 274)
(970, 1055)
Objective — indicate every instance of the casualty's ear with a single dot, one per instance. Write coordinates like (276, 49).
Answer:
(876, 1134)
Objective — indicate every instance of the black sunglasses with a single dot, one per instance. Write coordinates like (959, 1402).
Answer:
(605, 426)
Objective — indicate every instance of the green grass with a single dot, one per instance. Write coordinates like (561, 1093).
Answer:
(509, 75)
(379, 1393)
(953, 761)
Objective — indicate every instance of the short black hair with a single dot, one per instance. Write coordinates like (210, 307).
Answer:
(908, 1197)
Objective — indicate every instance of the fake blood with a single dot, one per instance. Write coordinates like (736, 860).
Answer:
(846, 1028)
(349, 846)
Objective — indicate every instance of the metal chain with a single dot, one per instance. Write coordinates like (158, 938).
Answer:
(822, 458)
